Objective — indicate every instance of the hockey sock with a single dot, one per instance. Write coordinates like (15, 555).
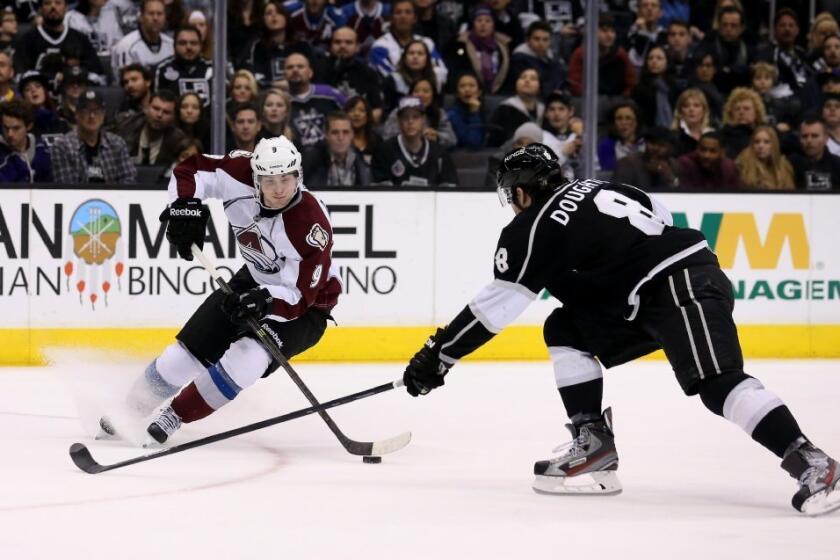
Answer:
(583, 398)
(777, 431)
(150, 390)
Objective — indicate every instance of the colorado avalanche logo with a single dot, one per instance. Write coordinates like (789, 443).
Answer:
(257, 250)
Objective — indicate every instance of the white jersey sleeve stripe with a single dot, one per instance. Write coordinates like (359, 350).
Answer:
(499, 303)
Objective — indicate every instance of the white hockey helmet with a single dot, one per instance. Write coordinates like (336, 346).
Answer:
(275, 156)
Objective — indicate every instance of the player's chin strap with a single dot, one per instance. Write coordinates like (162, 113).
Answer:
(354, 447)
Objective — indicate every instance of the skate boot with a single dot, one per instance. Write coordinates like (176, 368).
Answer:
(164, 425)
(818, 475)
(586, 465)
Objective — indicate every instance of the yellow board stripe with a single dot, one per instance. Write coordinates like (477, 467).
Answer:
(371, 344)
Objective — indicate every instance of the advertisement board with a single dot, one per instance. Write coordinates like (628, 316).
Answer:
(91, 266)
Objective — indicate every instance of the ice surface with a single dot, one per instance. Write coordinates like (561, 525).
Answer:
(694, 485)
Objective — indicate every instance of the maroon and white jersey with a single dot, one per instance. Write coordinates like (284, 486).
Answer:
(287, 251)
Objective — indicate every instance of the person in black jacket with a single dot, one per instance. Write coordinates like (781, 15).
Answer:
(349, 74)
(335, 162)
(187, 70)
(522, 107)
(816, 169)
(654, 93)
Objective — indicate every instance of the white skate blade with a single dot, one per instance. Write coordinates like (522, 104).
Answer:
(595, 483)
(822, 502)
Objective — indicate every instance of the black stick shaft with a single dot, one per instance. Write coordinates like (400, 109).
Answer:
(94, 467)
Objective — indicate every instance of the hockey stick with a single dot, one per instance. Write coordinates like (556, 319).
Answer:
(81, 456)
(353, 447)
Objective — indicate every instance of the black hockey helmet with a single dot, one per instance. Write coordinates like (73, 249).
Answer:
(530, 167)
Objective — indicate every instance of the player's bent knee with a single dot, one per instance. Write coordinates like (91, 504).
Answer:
(572, 366)
(245, 361)
(714, 390)
(177, 366)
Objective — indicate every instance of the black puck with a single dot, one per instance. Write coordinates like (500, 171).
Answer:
(371, 459)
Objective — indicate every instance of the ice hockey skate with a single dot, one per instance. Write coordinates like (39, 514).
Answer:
(166, 424)
(818, 475)
(586, 465)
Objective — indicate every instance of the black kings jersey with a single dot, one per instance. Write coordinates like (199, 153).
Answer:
(593, 245)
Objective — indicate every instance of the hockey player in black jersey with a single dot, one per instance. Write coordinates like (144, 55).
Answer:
(630, 283)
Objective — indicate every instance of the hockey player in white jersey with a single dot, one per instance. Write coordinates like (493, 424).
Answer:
(288, 282)
(630, 283)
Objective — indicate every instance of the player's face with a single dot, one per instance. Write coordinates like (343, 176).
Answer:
(274, 109)
(190, 110)
(241, 90)
(273, 20)
(539, 41)
(813, 139)
(692, 111)
(153, 17)
(415, 56)
(160, 114)
(762, 145)
(35, 94)
(188, 45)
(277, 190)
(134, 85)
(14, 131)
(743, 112)
(343, 44)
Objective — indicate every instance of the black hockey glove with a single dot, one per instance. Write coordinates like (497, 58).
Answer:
(425, 371)
(186, 223)
(254, 303)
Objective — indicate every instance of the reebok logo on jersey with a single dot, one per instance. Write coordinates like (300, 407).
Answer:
(184, 213)
(318, 237)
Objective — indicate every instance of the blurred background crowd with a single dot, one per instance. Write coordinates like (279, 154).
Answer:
(694, 95)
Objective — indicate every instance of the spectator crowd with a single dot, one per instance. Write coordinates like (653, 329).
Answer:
(693, 94)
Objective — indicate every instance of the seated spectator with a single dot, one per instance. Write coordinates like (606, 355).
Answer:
(243, 89)
(245, 127)
(467, 113)
(147, 45)
(50, 45)
(34, 88)
(616, 74)
(198, 20)
(482, 51)
(176, 16)
(823, 26)
(244, 19)
(731, 51)
(136, 82)
(654, 168)
(151, 137)
(387, 50)
(781, 105)
(623, 138)
(415, 64)
(409, 159)
(275, 110)
(192, 119)
(785, 54)
(437, 21)
(365, 139)
(8, 29)
(311, 103)
(829, 62)
(187, 70)
(335, 162)
(762, 165)
(560, 122)
(368, 18)
(655, 90)
(536, 53)
(707, 168)
(7, 77)
(646, 32)
(743, 112)
(24, 158)
(831, 118)
(438, 127)
(313, 23)
(522, 107)
(72, 83)
(680, 52)
(704, 80)
(351, 75)
(98, 21)
(505, 18)
(816, 169)
(88, 154)
(691, 121)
